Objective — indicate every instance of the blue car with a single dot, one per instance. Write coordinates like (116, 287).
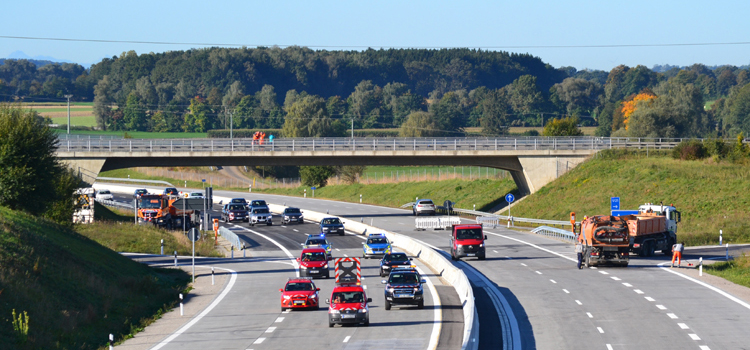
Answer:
(377, 244)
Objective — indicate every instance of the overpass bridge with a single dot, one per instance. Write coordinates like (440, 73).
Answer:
(532, 161)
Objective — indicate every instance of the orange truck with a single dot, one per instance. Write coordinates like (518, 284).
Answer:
(653, 228)
(605, 240)
(165, 211)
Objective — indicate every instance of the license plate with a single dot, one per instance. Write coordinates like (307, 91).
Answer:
(299, 303)
(470, 254)
(347, 316)
(313, 271)
(403, 295)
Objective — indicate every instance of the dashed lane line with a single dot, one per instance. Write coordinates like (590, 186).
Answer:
(553, 281)
(589, 315)
(538, 273)
(609, 347)
(627, 285)
(638, 291)
(522, 264)
(615, 278)
(604, 272)
(566, 291)
(259, 340)
(279, 319)
(661, 307)
(579, 302)
(600, 329)
(683, 326)
(650, 299)
(346, 340)
(270, 329)
(672, 316)
(694, 336)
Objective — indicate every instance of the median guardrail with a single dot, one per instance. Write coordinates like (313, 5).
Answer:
(115, 204)
(555, 233)
(231, 237)
(436, 223)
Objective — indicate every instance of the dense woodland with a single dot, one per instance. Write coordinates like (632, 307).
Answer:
(306, 92)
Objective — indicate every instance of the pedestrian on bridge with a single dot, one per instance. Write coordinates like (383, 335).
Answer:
(677, 253)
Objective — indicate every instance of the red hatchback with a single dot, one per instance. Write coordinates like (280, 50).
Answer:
(313, 262)
(299, 293)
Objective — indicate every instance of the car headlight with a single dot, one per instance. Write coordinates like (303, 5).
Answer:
(368, 249)
(362, 311)
(287, 297)
(303, 267)
(416, 289)
(459, 246)
(325, 266)
(333, 311)
(325, 228)
(386, 267)
(481, 245)
(390, 289)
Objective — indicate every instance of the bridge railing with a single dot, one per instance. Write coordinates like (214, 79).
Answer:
(364, 144)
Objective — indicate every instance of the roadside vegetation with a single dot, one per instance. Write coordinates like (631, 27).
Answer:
(70, 291)
(736, 270)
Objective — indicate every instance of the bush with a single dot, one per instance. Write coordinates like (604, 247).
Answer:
(316, 175)
(716, 147)
(690, 150)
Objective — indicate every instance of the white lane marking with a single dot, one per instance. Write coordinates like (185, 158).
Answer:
(579, 302)
(346, 255)
(604, 272)
(538, 272)
(401, 223)
(683, 326)
(638, 291)
(270, 329)
(205, 312)
(280, 319)
(553, 281)
(609, 347)
(627, 285)
(672, 316)
(295, 230)
(600, 329)
(593, 267)
(283, 226)
(589, 315)
(364, 287)
(615, 278)
(286, 312)
(337, 249)
(437, 324)
(661, 307)
(717, 290)
(286, 251)
(259, 340)
(494, 251)
(533, 245)
(694, 336)
(705, 347)
(346, 340)
(522, 264)
(566, 291)
(650, 299)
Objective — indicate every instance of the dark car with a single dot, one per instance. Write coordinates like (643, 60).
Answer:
(404, 288)
(234, 212)
(392, 261)
(332, 225)
(139, 192)
(238, 201)
(171, 191)
(258, 203)
(292, 215)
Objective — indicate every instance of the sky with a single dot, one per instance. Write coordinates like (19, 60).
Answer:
(514, 26)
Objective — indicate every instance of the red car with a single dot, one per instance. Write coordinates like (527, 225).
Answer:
(313, 262)
(299, 293)
(348, 305)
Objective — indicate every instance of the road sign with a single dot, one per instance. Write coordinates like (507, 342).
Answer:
(194, 234)
(615, 201)
(313, 188)
(510, 198)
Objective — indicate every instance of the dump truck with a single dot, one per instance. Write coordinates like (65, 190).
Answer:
(167, 211)
(606, 240)
(653, 229)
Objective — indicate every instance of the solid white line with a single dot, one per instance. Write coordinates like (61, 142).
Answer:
(683, 326)
(437, 324)
(259, 340)
(270, 329)
(672, 316)
(579, 302)
(627, 285)
(650, 299)
(638, 291)
(280, 319)
(553, 281)
(346, 340)
(286, 251)
(717, 290)
(694, 336)
(616, 278)
(566, 291)
(589, 315)
(600, 329)
(538, 272)
(205, 312)
(661, 307)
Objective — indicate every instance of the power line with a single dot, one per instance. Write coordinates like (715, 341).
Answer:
(380, 46)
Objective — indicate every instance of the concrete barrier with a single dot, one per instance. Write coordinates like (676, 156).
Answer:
(437, 262)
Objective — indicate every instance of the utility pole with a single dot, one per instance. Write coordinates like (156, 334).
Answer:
(231, 125)
(68, 97)
(352, 127)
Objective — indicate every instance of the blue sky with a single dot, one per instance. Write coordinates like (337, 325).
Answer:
(334, 25)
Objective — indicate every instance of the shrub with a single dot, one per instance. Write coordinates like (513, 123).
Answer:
(716, 147)
(690, 150)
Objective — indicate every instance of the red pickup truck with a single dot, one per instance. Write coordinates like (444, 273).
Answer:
(467, 241)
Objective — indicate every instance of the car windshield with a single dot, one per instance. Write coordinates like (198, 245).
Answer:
(238, 200)
(471, 233)
(291, 211)
(316, 241)
(170, 191)
(396, 258)
(141, 191)
(331, 221)
(258, 203)
(196, 194)
(149, 203)
(347, 297)
(237, 207)
(377, 241)
(403, 278)
(314, 256)
(294, 286)
(261, 211)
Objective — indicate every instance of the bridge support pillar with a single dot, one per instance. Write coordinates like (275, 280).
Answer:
(541, 170)
(86, 169)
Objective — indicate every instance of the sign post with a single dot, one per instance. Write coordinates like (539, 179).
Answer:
(509, 198)
(313, 191)
(194, 235)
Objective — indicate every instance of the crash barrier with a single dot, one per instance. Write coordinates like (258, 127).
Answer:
(231, 237)
(555, 233)
(117, 179)
(436, 223)
(488, 221)
(115, 204)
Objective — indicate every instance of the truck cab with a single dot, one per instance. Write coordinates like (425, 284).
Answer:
(670, 212)
(467, 241)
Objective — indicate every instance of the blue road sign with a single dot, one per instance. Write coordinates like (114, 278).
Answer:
(313, 188)
(509, 198)
(615, 203)
(204, 180)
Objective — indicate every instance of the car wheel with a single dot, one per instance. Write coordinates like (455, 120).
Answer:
(283, 309)
(367, 323)
(342, 233)
(420, 305)
(482, 257)
(330, 324)
(269, 224)
(387, 305)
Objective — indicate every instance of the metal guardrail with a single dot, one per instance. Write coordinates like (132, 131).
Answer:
(555, 233)
(364, 144)
(436, 223)
(135, 180)
(115, 204)
(514, 218)
(231, 237)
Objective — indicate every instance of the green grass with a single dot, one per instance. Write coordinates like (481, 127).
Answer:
(88, 120)
(74, 290)
(419, 172)
(736, 271)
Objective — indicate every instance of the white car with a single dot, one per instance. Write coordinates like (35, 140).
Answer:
(195, 195)
(104, 195)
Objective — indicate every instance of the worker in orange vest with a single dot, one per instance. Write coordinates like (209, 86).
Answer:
(261, 136)
(255, 137)
(677, 253)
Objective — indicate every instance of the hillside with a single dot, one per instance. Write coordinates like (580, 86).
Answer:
(74, 291)
(710, 196)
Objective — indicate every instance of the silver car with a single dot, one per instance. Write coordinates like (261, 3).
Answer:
(260, 216)
(424, 206)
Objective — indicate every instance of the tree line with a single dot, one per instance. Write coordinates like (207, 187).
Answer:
(309, 93)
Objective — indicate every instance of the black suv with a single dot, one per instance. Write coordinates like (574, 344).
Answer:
(392, 261)
(292, 215)
(404, 288)
(332, 225)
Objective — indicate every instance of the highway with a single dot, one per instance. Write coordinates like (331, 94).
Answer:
(531, 284)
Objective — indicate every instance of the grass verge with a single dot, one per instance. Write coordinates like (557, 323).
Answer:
(736, 270)
(74, 290)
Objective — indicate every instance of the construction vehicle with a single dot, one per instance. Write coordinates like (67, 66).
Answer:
(653, 228)
(170, 212)
(83, 201)
(605, 240)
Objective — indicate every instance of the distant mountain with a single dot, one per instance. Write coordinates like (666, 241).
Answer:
(37, 60)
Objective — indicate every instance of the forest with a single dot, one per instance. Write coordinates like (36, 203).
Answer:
(421, 92)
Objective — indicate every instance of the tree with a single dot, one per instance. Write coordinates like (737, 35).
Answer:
(200, 117)
(525, 97)
(450, 113)
(316, 175)
(134, 114)
(579, 96)
(420, 124)
(103, 100)
(738, 116)
(308, 117)
(495, 108)
(563, 127)
(351, 173)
